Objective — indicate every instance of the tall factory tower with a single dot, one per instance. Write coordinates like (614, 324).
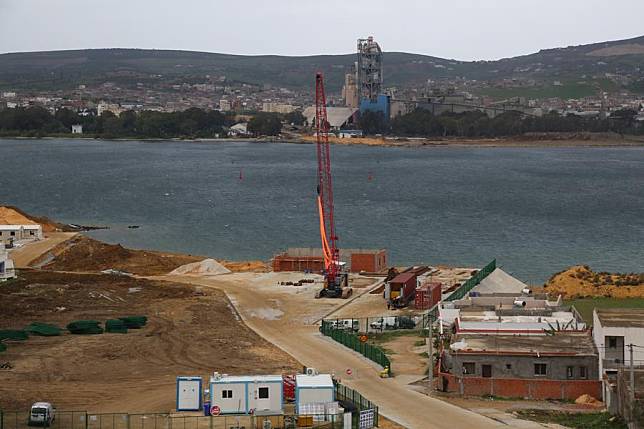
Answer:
(369, 69)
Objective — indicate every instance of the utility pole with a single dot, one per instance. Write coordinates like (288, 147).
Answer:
(632, 393)
(431, 353)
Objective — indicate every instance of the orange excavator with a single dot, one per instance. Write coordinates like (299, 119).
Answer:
(335, 280)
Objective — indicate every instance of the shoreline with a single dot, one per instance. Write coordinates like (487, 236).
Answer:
(593, 141)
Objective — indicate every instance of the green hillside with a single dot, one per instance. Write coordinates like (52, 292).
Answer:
(60, 69)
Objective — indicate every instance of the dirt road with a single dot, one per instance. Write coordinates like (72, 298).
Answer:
(23, 256)
(281, 314)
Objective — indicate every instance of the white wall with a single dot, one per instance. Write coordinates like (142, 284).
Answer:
(631, 336)
(274, 401)
(235, 405)
(307, 395)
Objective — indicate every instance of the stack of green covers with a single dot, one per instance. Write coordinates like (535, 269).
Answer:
(43, 329)
(13, 334)
(116, 326)
(85, 327)
(134, 322)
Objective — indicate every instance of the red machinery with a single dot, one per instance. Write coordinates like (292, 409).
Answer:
(335, 285)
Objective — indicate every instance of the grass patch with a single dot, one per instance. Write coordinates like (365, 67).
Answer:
(424, 355)
(420, 343)
(585, 306)
(574, 420)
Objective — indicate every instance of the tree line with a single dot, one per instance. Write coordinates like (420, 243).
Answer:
(423, 123)
(37, 121)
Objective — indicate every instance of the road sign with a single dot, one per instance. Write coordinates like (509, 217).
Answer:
(215, 410)
(349, 371)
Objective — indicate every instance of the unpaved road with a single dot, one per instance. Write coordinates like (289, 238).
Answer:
(282, 315)
(23, 256)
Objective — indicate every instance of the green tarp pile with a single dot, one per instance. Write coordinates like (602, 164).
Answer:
(115, 326)
(134, 322)
(85, 327)
(43, 329)
(2, 347)
(12, 334)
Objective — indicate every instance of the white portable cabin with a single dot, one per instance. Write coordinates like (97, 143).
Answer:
(246, 394)
(189, 397)
(313, 389)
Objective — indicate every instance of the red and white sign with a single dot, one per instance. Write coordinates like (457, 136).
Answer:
(215, 410)
(349, 372)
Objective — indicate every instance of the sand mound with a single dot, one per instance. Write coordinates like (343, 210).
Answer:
(208, 267)
(580, 282)
(587, 400)
(85, 254)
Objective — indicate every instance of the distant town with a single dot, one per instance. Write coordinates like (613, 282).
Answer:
(597, 95)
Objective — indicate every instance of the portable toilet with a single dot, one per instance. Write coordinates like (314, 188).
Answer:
(313, 388)
(189, 393)
(246, 394)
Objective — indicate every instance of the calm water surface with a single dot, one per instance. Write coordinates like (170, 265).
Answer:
(535, 210)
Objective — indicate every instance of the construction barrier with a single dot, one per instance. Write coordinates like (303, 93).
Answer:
(351, 340)
(84, 420)
(361, 406)
(472, 282)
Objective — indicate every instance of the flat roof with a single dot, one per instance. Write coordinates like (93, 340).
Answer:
(320, 380)
(247, 379)
(561, 344)
(621, 317)
(403, 277)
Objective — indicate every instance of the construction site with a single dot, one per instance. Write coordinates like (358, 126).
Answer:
(322, 337)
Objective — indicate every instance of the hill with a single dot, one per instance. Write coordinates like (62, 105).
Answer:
(60, 69)
(581, 282)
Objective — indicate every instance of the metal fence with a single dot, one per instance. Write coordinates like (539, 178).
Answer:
(83, 420)
(361, 405)
(472, 281)
(351, 340)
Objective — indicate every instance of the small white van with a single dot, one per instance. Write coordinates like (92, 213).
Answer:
(41, 414)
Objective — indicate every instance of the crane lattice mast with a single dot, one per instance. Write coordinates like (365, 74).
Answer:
(325, 186)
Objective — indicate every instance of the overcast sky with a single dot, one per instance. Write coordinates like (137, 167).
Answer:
(460, 29)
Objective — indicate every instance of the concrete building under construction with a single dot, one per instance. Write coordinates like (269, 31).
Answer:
(311, 259)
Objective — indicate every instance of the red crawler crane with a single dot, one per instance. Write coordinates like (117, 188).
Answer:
(335, 285)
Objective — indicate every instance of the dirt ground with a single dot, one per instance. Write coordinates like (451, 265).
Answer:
(581, 282)
(191, 331)
(83, 254)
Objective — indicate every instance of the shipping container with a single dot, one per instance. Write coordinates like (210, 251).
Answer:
(428, 296)
(401, 289)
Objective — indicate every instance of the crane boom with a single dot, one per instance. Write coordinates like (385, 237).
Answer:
(334, 279)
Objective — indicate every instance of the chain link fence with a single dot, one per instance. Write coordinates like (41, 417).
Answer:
(83, 420)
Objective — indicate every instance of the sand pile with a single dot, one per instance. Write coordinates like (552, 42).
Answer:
(580, 282)
(587, 400)
(208, 267)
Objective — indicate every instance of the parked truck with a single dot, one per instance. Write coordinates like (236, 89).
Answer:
(41, 414)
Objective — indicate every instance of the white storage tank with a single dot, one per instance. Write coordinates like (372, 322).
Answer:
(189, 393)
(246, 394)
(313, 389)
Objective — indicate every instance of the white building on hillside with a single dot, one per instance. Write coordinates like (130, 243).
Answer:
(6, 266)
(77, 129)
